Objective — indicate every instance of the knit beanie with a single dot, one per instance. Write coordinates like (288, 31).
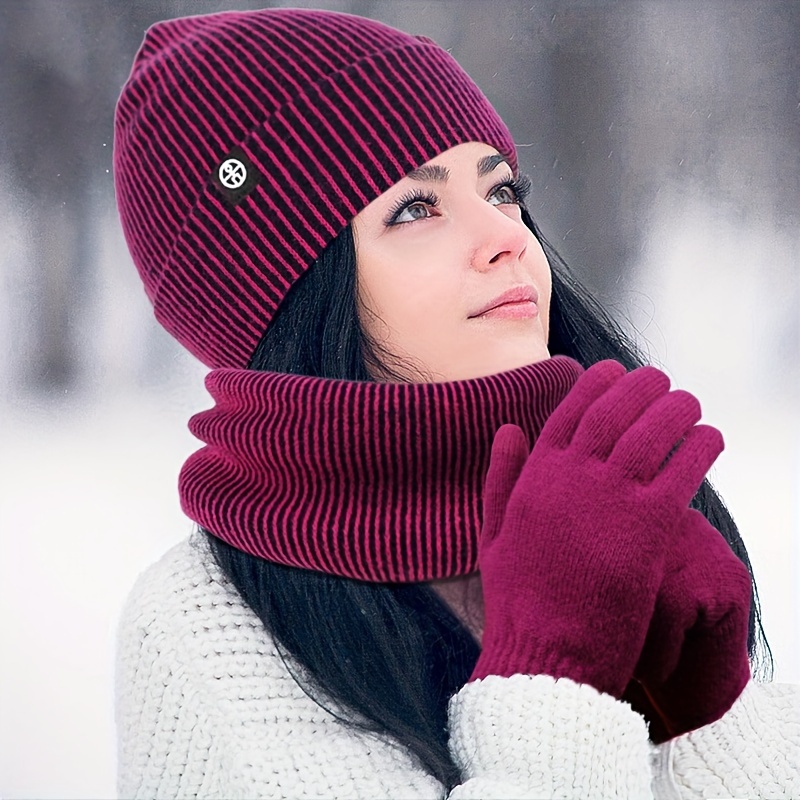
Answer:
(246, 141)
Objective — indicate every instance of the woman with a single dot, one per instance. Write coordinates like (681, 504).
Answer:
(446, 547)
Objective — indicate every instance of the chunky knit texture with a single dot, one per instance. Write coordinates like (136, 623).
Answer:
(246, 141)
(374, 481)
(207, 708)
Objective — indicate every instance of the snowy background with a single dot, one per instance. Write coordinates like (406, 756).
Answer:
(663, 143)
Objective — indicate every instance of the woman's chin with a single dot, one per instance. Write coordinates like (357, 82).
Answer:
(519, 358)
(496, 365)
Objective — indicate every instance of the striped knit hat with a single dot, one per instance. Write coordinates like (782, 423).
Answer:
(246, 141)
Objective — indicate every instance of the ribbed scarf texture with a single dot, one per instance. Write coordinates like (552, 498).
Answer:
(375, 481)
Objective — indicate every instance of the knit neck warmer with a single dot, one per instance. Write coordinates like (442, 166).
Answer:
(379, 482)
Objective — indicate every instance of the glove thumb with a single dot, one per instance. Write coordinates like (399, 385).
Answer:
(509, 454)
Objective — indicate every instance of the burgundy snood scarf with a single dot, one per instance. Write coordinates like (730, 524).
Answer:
(380, 482)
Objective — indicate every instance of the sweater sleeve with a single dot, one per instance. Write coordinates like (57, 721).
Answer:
(752, 752)
(163, 733)
(207, 708)
(535, 736)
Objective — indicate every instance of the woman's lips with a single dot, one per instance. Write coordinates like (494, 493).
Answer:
(516, 294)
(526, 309)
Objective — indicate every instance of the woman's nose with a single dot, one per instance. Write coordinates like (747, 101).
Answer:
(496, 238)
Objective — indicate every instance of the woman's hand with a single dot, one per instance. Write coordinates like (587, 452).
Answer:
(576, 537)
(694, 664)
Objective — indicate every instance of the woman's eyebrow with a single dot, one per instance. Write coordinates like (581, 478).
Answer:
(439, 174)
(488, 163)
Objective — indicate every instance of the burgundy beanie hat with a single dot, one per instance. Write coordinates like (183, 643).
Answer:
(246, 141)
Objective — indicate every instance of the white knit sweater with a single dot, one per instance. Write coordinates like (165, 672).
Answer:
(206, 708)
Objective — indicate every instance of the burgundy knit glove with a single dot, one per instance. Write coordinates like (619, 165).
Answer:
(576, 535)
(694, 663)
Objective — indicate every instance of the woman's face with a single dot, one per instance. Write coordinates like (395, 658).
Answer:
(436, 249)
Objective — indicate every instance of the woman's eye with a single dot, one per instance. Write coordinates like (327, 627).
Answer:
(410, 208)
(504, 194)
(412, 213)
(416, 206)
(514, 191)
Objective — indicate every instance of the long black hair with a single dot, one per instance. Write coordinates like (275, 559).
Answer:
(386, 658)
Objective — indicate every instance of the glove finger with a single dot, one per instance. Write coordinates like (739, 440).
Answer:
(646, 445)
(705, 579)
(701, 615)
(509, 454)
(711, 673)
(674, 613)
(690, 462)
(617, 409)
(562, 423)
